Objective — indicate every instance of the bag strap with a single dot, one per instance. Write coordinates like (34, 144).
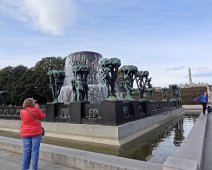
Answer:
(32, 115)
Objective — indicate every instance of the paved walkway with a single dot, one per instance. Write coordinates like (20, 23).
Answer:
(207, 159)
(11, 161)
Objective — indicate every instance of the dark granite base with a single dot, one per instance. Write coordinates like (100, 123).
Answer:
(92, 121)
(51, 112)
(116, 112)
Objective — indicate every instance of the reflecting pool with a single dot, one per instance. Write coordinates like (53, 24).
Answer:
(157, 145)
(154, 146)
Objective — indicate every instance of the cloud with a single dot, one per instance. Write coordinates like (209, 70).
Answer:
(176, 68)
(201, 71)
(47, 16)
(203, 74)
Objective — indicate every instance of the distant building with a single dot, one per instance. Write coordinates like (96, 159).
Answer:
(3, 97)
(190, 83)
(209, 90)
(199, 84)
(190, 79)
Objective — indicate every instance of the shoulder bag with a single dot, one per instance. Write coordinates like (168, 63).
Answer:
(43, 130)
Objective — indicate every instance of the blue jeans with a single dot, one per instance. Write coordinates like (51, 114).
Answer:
(31, 147)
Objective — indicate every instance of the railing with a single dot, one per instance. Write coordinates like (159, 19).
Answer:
(107, 113)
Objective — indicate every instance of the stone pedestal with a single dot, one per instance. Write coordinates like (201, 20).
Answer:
(144, 107)
(174, 103)
(51, 112)
(116, 112)
(92, 114)
(63, 114)
(209, 91)
(138, 110)
(92, 121)
(76, 111)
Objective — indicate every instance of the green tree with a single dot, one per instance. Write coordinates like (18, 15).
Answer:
(120, 81)
(21, 82)
(4, 78)
(41, 80)
(50, 63)
(4, 84)
(14, 81)
(25, 87)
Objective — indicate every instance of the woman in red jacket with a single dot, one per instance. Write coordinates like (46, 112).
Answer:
(31, 133)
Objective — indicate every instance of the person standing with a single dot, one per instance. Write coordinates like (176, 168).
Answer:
(31, 133)
(204, 100)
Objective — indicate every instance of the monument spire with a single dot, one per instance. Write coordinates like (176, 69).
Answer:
(190, 79)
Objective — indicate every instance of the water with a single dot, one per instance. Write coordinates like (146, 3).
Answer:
(154, 146)
(97, 89)
(170, 140)
(157, 145)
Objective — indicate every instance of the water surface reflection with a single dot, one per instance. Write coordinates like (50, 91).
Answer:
(154, 146)
(157, 145)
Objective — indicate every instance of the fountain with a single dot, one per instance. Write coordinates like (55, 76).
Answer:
(128, 73)
(56, 81)
(88, 80)
(97, 88)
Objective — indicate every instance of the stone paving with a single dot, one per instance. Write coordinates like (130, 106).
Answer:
(12, 161)
(207, 159)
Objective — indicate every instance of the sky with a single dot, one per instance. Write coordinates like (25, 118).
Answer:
(165, 37)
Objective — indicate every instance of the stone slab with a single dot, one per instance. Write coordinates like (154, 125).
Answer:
(191, 151)
(195, 109)
(179, 164)
(78, 159)
(193, 147)
(101, 134)
(11, 161)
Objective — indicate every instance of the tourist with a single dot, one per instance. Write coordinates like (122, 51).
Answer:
(31, 133)
(204, 100)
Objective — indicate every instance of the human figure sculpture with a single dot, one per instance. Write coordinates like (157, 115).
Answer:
(79, 83)
(149, 89)
(164, 93)
(109, 70)
(73, 84)
(79, 90)
(56, 81)
(175, 90)
(106, 78)
(85, 84)
(149, 85)
(178, 93)
(129, 72)
(142, 81)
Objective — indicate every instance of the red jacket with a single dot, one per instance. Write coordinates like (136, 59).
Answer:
(29, 125)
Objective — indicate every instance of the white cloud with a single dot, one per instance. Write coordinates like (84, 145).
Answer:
(48, 16)
(175, 68)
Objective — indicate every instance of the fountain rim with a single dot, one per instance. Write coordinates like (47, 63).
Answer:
(85, 52)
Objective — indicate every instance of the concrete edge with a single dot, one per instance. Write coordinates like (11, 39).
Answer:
(173, 163)
(79, 159)
(100, 134)
(194, 109)
(131, 131)
(192, 148)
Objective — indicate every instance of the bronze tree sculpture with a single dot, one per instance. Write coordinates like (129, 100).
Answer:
(164, 93)
(129, 73)
(149, 88)
(141, 80)
(79, 83)
(109, 70)
(56, 81)
(175, 90)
